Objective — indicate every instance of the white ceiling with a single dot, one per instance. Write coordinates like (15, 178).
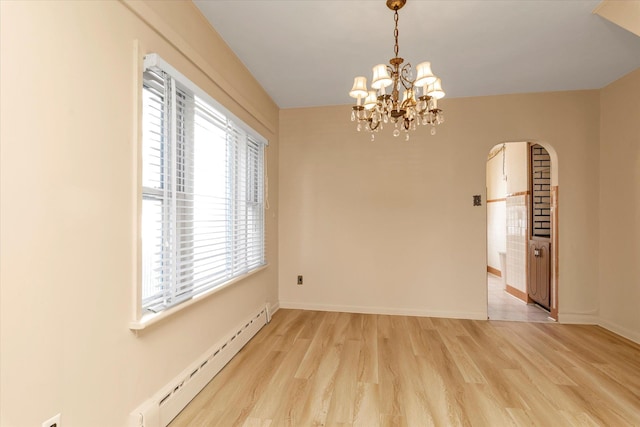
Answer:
(307, 52)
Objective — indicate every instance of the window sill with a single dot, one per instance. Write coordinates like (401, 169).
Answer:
(152, 318)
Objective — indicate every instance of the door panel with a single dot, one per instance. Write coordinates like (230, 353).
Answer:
(533, 271)
(543, 274)
(539, 271)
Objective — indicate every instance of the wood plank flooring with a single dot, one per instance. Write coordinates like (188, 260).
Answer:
(309, 368)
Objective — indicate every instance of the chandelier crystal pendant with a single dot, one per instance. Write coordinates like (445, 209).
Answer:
(380, 108)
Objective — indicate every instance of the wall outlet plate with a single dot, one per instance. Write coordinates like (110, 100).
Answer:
(52, 422)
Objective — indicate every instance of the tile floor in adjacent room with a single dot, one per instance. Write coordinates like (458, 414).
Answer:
(503, 306)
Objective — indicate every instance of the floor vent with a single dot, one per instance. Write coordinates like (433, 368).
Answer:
(163, 407)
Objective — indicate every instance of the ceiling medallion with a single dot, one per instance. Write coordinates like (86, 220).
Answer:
(381, 108)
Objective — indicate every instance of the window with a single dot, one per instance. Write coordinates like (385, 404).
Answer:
(202, 191)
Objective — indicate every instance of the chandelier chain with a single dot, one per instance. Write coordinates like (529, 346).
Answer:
(395, 32)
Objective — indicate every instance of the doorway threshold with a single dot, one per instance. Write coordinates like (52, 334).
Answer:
(503, 306)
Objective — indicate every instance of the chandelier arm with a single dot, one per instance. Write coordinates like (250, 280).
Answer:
(390, 70)
(404, 77)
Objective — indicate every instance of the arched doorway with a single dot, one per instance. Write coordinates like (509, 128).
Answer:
(522, 232)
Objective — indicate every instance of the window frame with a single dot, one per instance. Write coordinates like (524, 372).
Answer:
(144, 317)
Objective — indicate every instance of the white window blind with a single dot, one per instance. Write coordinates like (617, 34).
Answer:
(202, 191)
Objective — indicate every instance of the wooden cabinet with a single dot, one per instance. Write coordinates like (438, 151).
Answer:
(540, 271)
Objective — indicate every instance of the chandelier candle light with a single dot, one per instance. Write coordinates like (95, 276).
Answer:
(380, 107)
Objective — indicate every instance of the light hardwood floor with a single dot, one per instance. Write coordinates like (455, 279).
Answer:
(311, 368)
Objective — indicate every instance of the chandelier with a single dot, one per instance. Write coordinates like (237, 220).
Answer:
(380, 108)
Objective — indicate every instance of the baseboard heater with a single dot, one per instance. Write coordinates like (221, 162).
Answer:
(159, 410)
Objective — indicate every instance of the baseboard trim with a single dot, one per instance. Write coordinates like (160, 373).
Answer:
(620, 330)
(567, 318)
(385, 310)
(517, 293)
(273, 308)
(578, 318)
(494, 271)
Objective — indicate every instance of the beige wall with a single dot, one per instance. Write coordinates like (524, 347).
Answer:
(504, 178)
(517, 214)
(68, 214)
(496, 233)
(496, 175)
(389, 226)
(623, 13)
(517, 167)
(620, 206)
(496, 209)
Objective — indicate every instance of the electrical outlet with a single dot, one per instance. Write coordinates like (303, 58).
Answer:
(299, 280)
(52, 422)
